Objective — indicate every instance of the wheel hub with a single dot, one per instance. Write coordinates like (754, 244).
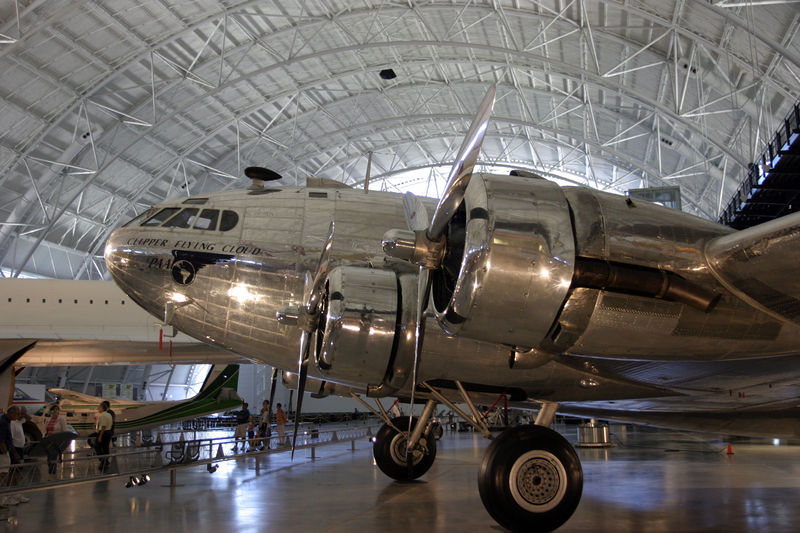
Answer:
(537, 481)
(398, 450)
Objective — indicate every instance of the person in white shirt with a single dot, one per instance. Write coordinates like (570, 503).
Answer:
(103, 442)
(17, 433)
(264, 422)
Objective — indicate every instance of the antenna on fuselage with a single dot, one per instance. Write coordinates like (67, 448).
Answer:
(259, 175)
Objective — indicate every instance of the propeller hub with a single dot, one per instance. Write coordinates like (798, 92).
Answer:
(299, 317)
(414, 246)
(399, 243)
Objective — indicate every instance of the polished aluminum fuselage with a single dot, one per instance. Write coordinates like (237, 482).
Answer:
(246, 275)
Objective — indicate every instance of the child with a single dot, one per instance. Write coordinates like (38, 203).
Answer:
(251, 433)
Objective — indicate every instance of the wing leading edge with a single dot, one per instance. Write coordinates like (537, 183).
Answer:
(759, 265)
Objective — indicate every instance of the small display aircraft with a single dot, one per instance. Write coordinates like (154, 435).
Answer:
(217, 394)
(569, 299)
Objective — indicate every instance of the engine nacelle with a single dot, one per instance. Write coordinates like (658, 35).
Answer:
(360, 325)
(509, 262)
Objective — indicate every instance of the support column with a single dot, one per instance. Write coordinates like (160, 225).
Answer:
(169, 380)
(89, 375)
(547, 414)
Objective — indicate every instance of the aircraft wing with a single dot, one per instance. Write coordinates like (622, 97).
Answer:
(759, 265)
(77, 397)
(107, 352)
(76, 323)
(732, 397)
(780, 423)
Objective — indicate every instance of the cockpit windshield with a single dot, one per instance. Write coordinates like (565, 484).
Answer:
(175, 217)
(161, 216)
(229, 220)
(184, 219)
(141, 216)
(207, 219)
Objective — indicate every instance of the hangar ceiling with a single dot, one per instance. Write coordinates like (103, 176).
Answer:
(110, 106)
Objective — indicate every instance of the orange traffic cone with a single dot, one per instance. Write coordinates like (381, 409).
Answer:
(730, 449)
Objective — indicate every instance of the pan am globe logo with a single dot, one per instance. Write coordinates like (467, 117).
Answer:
(183, 272)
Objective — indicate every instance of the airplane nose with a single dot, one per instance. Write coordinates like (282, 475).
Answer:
(140, 265)
(114, 256)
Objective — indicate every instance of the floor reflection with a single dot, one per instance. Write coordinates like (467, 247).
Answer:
(650, 481)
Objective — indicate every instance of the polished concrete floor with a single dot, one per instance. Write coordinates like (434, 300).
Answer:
(650, 482)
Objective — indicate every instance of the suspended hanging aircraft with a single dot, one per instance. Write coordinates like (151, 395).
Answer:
(569, 299)
(56, 322)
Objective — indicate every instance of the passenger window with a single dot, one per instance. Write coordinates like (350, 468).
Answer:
(207, 219)
(161, 216)
(228, 221)
(183, 219)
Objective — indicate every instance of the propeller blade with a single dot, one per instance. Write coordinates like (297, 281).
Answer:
(462, 169)
(416, 214)
(322, 270)
(307, 318)
(302, 374)
(423, 291)
(273, 382)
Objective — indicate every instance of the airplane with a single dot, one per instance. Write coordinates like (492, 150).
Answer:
(217, 394)
(47, 322)
(567, 299)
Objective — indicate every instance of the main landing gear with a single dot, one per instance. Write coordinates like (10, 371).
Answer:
(530, 479)
(390, 447)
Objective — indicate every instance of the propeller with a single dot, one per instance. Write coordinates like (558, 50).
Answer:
(273, 381)
(424, 245)
(306, 317)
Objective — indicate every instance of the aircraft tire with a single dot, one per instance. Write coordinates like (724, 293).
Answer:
(530, 479)
(389, 451)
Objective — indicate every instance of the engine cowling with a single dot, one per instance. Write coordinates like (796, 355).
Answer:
(509, 261)
(363, 338)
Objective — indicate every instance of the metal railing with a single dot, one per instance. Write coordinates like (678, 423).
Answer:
(759, 170)
(83, 465)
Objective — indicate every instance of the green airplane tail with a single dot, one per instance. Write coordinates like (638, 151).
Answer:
(220, 384)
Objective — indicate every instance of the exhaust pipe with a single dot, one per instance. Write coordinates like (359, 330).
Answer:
(642, 281)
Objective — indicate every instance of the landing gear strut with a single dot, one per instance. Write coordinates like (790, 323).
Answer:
(530, 479)
(389, 451)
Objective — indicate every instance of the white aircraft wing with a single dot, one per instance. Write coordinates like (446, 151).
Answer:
(84, 323)
(76, 397)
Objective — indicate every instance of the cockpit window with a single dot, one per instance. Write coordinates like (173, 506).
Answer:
(195, 201)
(161, 216)
(228, 221)
(141, 216)
(183, 219)
(207, 219)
